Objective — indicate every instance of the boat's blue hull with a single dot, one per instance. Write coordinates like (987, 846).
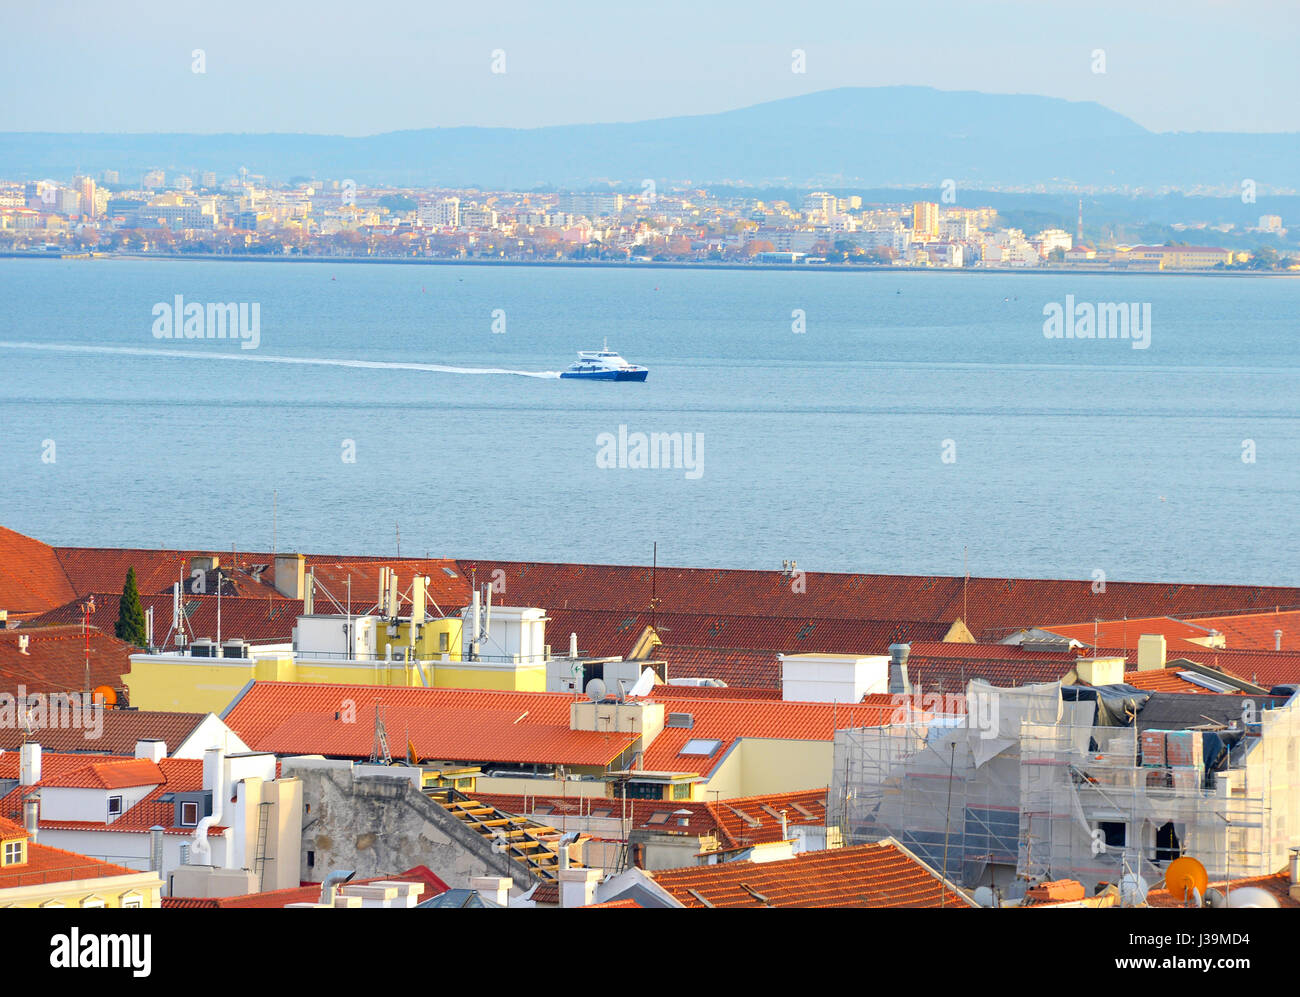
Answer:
(607, 375)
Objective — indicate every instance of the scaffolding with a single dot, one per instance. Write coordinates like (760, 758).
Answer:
(1024, 788)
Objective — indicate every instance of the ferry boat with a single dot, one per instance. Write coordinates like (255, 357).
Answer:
(604, 365)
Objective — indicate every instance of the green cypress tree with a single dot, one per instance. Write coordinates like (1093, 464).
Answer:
(130, 614)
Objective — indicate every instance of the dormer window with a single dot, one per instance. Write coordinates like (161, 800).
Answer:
(15, 852)
(114, 807)
(189, 814)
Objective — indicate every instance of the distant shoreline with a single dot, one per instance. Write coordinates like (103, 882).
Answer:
(648, 265)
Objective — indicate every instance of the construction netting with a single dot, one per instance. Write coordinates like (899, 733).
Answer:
(1025, 786)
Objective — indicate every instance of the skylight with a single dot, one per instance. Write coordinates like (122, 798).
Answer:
(700, 746)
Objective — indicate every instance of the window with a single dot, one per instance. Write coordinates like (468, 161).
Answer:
(681, 791)
(658, 817)
(93, 902)
(115, 806)
(189, 814)
(311, 859)
(132, 900)
(443, 646)
(1113, 832)
(14, 852)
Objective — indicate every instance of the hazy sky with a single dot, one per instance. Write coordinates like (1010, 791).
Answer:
(360, 68)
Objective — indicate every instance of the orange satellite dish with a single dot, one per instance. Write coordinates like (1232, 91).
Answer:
(1185, 875)
(105, 694)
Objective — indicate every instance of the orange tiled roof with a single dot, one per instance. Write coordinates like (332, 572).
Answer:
(10, 829)
(254, 619)
(874, 875)
(1278, 884)
(444, 724)
(122, 729)
(54, 865)
(1266, 668)
(753, 820)
(991, 607)
(749, 668)
(60, 769)
(1163, 680)
(31, 578)
(56, 660)
(1256, 631)
(117, 773)
(481, 726)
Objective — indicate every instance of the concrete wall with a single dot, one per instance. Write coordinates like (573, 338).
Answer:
(380, 823)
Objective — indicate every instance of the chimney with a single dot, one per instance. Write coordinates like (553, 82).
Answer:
(578, 887)
(418, 582)
(155, 848)
(573, 645)
(32, 817)
(151, 749)
(494, 888)
(29, 765)
(22, 643)
(1295, 873)
(898, 654)
(1277, 640)
(290, 575)
(1151, 652)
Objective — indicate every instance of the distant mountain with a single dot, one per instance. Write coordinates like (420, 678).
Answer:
(880, 136)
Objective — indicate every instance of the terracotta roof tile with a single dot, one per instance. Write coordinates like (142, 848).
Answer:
(54, 865)
(873, 875)
(991, 607)
(55, 660)
(31, 578)
(254, 619)
(1256, 631)
(117, 773)
(121, 730)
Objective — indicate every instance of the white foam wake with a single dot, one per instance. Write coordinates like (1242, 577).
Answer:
(261, 358)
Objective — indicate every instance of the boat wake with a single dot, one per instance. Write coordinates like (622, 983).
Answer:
(259, 358)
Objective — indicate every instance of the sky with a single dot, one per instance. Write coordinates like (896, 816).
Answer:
(360, 69)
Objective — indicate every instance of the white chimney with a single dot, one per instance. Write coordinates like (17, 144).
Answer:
(573, 645)
(1295, 873)
(22, 643)
(1277, 640)
(494, 888)
(578, 887)
(1151, 652)
(29, 765)
(151, 749)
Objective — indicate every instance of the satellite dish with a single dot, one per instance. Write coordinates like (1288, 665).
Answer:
(1252, 896)
(1184, 876)
(984, 896)
(1133, 889)
(595, 690)
(644, 684)
(1215, 898)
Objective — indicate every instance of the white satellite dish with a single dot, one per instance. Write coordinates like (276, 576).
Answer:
(596, 690)
(644, 684)
(1133, 889)
(985, 897)
(1251, 896)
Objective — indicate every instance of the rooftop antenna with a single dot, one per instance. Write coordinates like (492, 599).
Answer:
(654, 599)
(965, 568)
(398, 527)
(275, 499)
